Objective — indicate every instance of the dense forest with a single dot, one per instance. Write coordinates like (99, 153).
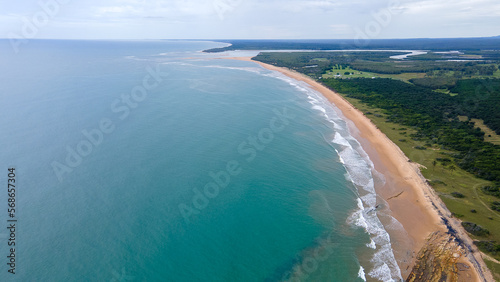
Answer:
(479, 98)
(433, 114)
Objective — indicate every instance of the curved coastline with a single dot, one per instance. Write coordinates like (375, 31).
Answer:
(411, 200)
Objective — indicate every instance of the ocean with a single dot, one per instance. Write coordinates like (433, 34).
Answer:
(152, 161)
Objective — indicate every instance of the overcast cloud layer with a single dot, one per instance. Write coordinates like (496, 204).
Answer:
(248, 19)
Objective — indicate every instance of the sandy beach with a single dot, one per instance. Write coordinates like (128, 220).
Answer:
(412, 201)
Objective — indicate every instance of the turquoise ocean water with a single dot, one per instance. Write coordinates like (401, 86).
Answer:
(150, 161)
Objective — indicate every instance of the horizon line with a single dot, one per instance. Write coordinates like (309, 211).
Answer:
(256, 39)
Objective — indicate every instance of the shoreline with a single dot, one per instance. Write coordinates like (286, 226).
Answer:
(411, 200)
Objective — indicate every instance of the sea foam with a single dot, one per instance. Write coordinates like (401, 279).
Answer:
(361, 273)
(360, 171)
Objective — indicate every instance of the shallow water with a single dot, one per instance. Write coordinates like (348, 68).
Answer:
(135, 163)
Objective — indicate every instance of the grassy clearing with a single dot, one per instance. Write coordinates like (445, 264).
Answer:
(445, 91)
(497, 74)
(320, 59)
(490, 135)
(340, 73)
(444, 178)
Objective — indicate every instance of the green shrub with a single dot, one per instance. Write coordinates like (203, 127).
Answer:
(475, 229)
(488, 246)
(490, 190)
(437, 181)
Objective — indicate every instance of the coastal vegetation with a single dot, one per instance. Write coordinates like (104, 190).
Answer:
(471, 46)
(443, 114)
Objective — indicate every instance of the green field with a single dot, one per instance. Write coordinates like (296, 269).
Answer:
(445, 91)
(337, 72)
(490, 136)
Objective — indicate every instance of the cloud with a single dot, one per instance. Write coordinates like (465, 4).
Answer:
(117, 11)
(256, 18)
(341, 29)
(453, 9)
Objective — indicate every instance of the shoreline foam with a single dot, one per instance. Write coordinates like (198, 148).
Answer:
(417, 207)
(360, 172)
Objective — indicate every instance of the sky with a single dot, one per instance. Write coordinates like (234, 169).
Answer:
(248, 19)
